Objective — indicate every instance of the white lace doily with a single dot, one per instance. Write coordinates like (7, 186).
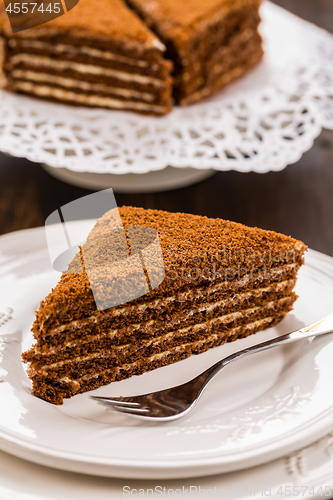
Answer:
(262, 122)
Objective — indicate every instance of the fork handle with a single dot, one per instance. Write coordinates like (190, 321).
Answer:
(321, 327)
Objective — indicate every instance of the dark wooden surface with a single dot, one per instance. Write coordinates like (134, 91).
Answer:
(296, 201)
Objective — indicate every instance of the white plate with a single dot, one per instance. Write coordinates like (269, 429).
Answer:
(258, 409)
(308, 471)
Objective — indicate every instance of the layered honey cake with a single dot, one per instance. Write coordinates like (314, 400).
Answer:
(138, 55)
(98, 54)
(223, 281)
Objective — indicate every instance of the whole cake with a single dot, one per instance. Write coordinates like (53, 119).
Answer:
(139, 55)
(223, 281)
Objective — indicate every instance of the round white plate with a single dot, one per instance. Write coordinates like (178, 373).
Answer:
(256, 410)
(307, 473)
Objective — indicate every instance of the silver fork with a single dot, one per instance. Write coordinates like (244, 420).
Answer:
(176, 402)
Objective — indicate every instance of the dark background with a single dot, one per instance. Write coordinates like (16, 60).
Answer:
(297, 201)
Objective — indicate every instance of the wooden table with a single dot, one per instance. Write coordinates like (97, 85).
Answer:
(297, 201)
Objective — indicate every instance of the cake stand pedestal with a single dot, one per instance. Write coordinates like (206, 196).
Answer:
(159, 180)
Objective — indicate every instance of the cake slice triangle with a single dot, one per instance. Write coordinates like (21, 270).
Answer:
(222, 281)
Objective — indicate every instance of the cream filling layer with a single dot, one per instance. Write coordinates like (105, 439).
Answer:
(180, 296)
(210, 306)
(174, 350)
(61, 48)
(81, 85)
(86, 99)
(219, 320)
(47, 62)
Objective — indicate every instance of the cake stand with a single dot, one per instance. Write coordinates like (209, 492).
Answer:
(158, 180)
(262, 122)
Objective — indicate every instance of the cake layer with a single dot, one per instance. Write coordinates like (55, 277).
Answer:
(29, 61)
(88, 84)
(114, 84)
(80, 86)
(70, 360)
(55, 389)
(146, 309)
(159, 93)
(89, 55)
(97, 332)
(72, 97)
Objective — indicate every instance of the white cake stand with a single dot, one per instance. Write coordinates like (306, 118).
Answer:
(159, 180)
(262, 122)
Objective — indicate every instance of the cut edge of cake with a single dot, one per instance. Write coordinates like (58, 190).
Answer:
(144, 69)
(95, 57)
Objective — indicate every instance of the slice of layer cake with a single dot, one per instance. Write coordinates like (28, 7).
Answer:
(223, 281)
(98, 54)
(211, 42)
